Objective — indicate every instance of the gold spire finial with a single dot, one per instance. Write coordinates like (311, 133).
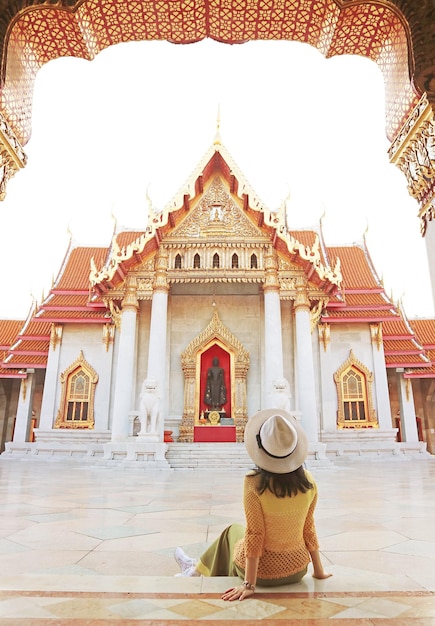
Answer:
(217, 137)
(149, 202)
(287, 198)
(34, 303)
(367, 227)
(113, 216)
(322, 217)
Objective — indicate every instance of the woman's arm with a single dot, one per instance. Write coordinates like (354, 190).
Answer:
(318, 572)
(247, 588)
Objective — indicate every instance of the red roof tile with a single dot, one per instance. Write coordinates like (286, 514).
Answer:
(11, 373)
(363, 315)
(59, 315)
(368, 300)
(425, 331)
(355, 267)
(127, 237)
(75, 274)
(407, 361)
(402, 347)
(396, 329)
(9, 329)
(73, 302)
(23, 361)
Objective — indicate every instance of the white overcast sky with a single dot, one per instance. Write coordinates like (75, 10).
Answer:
(142, 115)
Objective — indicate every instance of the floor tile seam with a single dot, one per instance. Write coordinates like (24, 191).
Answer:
(270, 621)
(313, 595)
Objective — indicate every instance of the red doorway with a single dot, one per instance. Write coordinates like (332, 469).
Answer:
(224, 357)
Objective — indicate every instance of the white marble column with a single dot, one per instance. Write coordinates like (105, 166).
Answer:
(24, 409)
(157, 347)
(157, 353)
(125, 367)
(328, 393)
(383, 407)
(49, 408)
(408, 422)
(273, 354)
(304, 364)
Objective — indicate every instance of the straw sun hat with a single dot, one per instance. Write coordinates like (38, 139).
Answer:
(275, 441)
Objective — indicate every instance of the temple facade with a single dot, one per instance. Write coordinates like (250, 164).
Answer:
(181, 331)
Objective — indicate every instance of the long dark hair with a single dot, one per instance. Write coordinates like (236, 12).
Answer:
(283, 485)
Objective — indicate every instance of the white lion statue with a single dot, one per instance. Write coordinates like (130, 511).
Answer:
(149, 409)
(281, 394)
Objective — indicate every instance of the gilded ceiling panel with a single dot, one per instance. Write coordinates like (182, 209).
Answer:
(398, 35)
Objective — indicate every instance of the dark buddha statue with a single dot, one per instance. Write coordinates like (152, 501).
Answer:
(215, 394)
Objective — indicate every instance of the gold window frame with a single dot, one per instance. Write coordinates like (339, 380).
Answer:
(352, 364)
(80, 365)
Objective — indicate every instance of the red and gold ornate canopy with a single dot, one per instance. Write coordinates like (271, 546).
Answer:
(396, 34)
(42, 32)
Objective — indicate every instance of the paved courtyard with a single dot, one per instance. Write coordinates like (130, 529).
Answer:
(84, 544)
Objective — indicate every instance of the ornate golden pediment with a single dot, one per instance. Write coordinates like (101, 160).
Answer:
(217, 215)
(215, 330)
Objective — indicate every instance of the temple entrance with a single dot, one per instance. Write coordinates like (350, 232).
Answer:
(215, 386)
(215, 365)
(215, 382)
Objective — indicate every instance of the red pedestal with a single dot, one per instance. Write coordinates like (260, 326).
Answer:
(214, 433)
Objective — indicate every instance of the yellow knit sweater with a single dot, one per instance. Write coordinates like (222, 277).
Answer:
(281, 531)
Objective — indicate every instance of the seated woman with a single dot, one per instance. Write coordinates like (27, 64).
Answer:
(280, 496)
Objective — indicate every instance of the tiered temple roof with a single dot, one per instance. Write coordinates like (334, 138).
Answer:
(345, 274)
(408, 344)
(425, 331)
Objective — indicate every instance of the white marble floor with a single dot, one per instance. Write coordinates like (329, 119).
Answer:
(84, 544)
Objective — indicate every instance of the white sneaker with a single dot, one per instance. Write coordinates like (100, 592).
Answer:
(191, 571)
(185, 562)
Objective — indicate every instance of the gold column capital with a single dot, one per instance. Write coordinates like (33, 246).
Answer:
(302, 300)
(161, 270)
(271, 279)
(130, 300)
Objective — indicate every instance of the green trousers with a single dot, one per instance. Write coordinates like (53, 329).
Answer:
(217, 560)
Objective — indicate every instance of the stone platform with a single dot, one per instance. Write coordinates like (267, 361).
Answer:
(94, 545)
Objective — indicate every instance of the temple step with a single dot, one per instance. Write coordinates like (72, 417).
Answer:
(208, 456)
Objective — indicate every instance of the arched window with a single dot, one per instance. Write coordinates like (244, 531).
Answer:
(216, 260)
(77, 398)
(196, 261)
(354, 396)
(354, 391)
(254, 262)
(177, 263)
(234, 261)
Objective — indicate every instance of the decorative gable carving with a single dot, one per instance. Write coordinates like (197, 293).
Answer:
(216, 214)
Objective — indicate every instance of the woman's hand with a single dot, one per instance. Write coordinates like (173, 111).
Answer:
(237, 593)
(321, 575)
(318, 571)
